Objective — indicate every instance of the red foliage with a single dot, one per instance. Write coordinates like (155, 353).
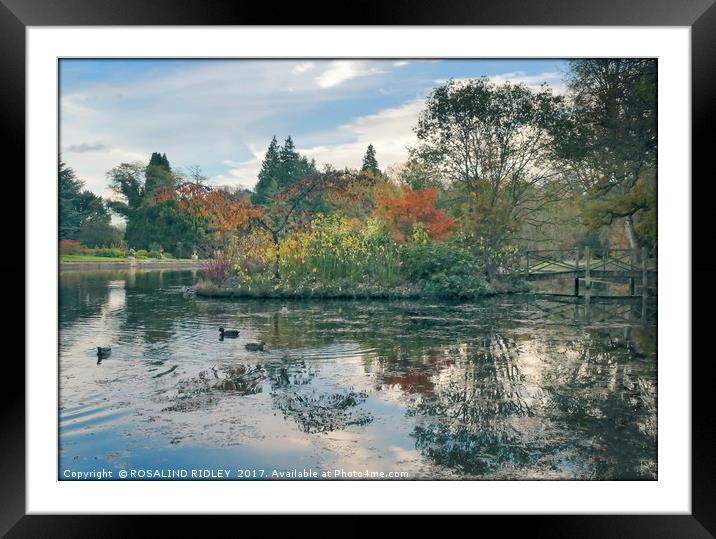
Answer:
(401, 213)
(217, 268)
(71, 247)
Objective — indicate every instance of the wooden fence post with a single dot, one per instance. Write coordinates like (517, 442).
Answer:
(605, 255)
(576, 268)
(587, 267)
(644, 286)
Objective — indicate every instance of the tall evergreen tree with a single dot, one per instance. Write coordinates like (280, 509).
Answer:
(77, 206)
(370, 163)
(292, 166)
(268, 175)
(281, 167)
(288, 152)
(158, 174)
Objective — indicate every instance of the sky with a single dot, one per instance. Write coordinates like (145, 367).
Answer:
(222, 114)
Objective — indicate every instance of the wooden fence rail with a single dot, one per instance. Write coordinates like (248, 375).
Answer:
(608, 265)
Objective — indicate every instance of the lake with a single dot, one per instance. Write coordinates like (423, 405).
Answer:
(509, 387)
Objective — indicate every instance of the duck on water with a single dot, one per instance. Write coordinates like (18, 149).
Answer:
(228, 333)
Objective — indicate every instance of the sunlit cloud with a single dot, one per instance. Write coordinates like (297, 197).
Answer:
(303, 67)
(341, 71)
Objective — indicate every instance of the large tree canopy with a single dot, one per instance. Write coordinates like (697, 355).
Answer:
(611, 145)
(147, 200)
(79, 208)
(494, 143)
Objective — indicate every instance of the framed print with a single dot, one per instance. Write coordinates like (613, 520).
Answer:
(412, 265)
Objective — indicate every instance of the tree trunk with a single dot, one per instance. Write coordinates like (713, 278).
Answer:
(629, 229)
(631, 237)
(277, 261)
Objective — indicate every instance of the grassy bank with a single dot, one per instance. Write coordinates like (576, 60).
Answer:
(95, 258)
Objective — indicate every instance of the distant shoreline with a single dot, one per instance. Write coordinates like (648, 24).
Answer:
(111, 264)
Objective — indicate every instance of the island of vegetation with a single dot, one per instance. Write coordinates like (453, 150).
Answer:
(497, 170)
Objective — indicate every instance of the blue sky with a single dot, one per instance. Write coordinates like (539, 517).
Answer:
(221, 114)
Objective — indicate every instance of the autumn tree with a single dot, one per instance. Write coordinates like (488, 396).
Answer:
(412, 207)
(494, 144)
(215, 214)
(290, 209)
(145, 198)
(293, 207)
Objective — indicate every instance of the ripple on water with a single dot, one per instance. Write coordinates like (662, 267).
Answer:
(89, 416)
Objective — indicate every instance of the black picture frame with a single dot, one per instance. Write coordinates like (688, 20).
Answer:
(699, 15)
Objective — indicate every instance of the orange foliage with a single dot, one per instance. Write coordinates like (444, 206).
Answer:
(402, 212)
(163, 194)
(226, 213)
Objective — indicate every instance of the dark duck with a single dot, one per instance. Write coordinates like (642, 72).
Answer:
(228, 333)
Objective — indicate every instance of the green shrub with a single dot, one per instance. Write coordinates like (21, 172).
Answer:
(141, 254)
(99, 234)
(445, 268)
(153, 254)
(110, 252)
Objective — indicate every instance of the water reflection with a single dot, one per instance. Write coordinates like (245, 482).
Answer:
(503, 388)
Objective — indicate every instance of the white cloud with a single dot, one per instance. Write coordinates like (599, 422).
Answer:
(243, 173)
(343, 70)
(303, 67)
(400, 63)
(390, 131)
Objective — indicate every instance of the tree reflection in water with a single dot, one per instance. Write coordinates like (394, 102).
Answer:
(588, 412)
(323, 412)
(312, 410)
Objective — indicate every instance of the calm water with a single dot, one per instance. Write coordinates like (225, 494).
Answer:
(505, 388)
